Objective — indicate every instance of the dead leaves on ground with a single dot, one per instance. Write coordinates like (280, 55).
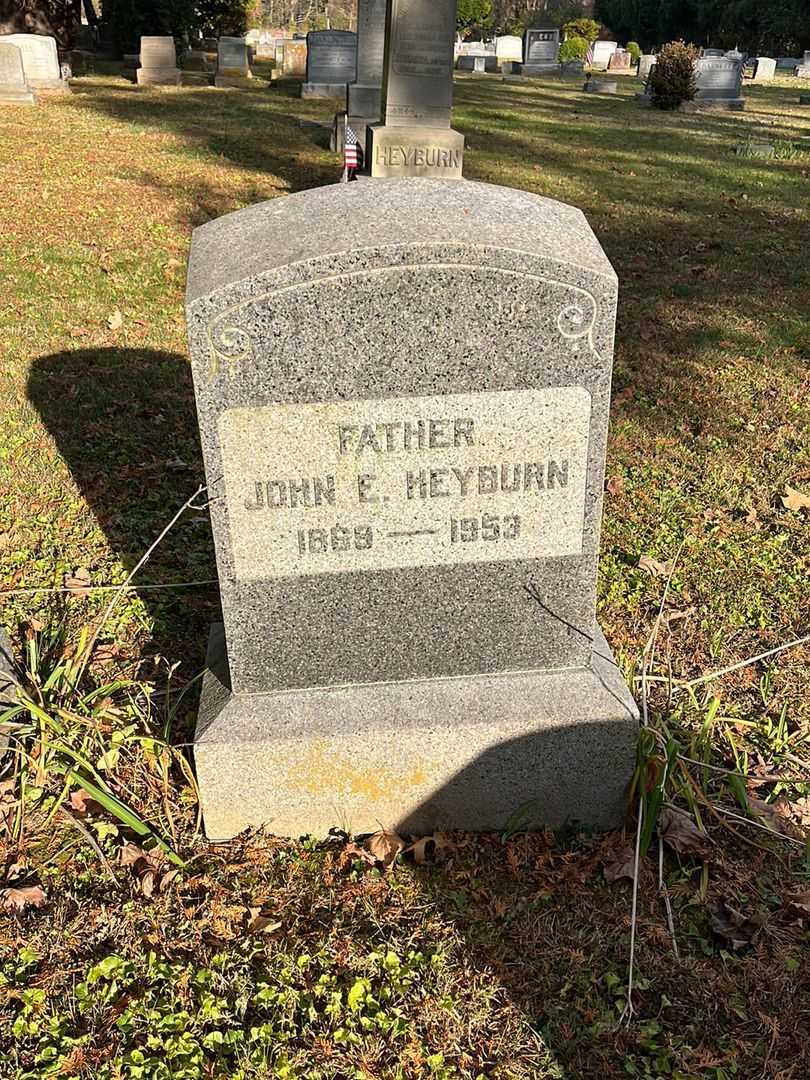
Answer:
(382, 848)
(679, 831)
(795, 500)
(732, 927)
(17, 898)
(148, 868)
(655, 568)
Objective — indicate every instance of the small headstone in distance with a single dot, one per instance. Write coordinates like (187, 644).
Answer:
(804, 99)
(405, 505)
(40, 60)
(755, 149)
(764, 69)
(509, 49)
(719, 83)
(645, 64)
(13, 86)
(541, 51)
(233, 63)
(601, 54)
(158, 62)
(601, 86)
(331, 63)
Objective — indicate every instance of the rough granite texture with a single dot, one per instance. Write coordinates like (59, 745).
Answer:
(426, 287)
(474, 753)
(380, 297)
(13, 87)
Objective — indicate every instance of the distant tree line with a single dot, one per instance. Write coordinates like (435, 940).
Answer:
(763, 27)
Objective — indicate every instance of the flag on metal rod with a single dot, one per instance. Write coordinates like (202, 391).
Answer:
(350, 156)
(589, 55)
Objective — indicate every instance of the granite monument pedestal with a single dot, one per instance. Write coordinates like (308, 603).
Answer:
(407, 549)
(415, 137)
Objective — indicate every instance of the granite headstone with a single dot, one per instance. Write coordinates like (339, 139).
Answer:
(331, 63)
(233, 63)
(541, 51)
(764, 69)
(415, 137)
(645, 64)
(620, 60)
(158, 62)
(509, 49)
(40, 61)
(602, 52)
(13, 86)
(719, 82)
(402, 391)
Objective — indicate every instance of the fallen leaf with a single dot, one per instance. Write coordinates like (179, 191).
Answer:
(131, 854)
(777, 815)
(615, 485)
(441, 845)
(794, 500)
(116, 320)
(679, 832)
(734, 928)
(751, 517)
(623, 866)
(653, 567)
(353, 852)
(385, 846)
(798, 904)
(260, 924)
(22, 898)
(78, 582)
(81, 804)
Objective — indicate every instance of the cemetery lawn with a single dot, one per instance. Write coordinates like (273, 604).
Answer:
(500, 956)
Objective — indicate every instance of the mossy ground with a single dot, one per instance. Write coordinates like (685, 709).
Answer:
(509, 960)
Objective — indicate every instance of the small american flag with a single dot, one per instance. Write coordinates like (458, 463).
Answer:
(350, 156)
(589, 56)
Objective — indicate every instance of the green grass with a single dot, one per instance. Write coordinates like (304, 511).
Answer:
(509, 961)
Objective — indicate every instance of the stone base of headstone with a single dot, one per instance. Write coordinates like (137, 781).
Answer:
(363, 100)
(158, 76)
(574, 68)
(12, 96)
(803, 71)
(414, 151)
(601, 86)
(323, 90)
(727, 104)
(804, 99)
(238, 81)
(472, 753)
(511, 67)
(533, 70)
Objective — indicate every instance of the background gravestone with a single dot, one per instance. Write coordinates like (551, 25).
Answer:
(13, 87)
(541, 51)
(291, 59)
(765, 69)
(645, 64)
(331, 63)
(509, 49)
(602, 52)
(415, 137)
(364, 96)
(719, 82)
(406, 512)
(158, 62)
(233, 63)
(620, 60)
(40, 61)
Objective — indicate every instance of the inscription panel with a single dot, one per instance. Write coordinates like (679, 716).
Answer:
(403, 482)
